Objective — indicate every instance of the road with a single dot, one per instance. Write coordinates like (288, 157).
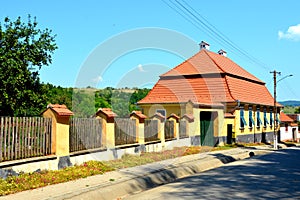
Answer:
(271, 176)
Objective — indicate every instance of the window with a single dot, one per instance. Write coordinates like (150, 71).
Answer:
(242, 119)
(265, 118)
(162, 112)
(251, 121)
(286, 127)
(271, 118)
(258, 120)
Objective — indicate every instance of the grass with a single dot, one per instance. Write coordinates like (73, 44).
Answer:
(27, 181)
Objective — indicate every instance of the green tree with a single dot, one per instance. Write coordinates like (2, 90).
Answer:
(24, 49)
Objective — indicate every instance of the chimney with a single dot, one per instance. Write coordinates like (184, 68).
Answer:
(204, 45)
(222, 53)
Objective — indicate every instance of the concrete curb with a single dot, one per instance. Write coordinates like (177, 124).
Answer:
(121, 183)
(167, 175)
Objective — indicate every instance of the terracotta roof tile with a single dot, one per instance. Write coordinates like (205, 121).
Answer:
(250, 92)
(208, 78)
(61, 110)
(229, 115)
(173, 115)
(139, 114)
(159, 116)
(285, 118)
(189, 117)
(108, 112)
(209, 91)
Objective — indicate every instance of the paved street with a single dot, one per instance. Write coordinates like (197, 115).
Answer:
(271, 176)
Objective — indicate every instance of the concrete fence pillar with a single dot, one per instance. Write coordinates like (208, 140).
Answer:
(140, 119)
(108, 126)
(60, 115)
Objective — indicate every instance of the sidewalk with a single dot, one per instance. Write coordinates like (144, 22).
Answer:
(118, 184)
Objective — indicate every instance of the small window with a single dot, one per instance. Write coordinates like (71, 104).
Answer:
(242, 119)
(162, 112)
(286, 127)
(251, 121)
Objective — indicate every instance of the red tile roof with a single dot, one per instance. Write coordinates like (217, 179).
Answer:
(208, 78)
(108, 112)
(138, 114)
(189, 117)
(60, 110)
(285, 118)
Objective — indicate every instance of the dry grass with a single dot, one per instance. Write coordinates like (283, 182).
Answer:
(29, 181)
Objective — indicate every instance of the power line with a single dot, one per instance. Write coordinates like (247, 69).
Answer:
(202, 24)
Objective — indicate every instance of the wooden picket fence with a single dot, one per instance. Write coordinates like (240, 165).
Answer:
(125, 131)
(85, 133)
(24, 137)
(183, 129)
(151, 130)
(169, 129)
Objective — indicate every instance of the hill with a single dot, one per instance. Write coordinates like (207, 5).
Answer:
(290, 103)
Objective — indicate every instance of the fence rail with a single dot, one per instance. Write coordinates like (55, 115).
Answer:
(24, 137)
(85, 133)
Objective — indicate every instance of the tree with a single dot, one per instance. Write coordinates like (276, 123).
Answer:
(24, 49)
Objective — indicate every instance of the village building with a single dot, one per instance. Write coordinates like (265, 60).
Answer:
(288, 128)
(226, 102)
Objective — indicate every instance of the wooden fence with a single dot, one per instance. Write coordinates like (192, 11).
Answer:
(85, 133)
(169, 129)
(125, 131)
(151, 130)
(183, 129)
(24, 137)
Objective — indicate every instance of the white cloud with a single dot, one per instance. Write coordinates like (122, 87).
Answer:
(293, 33)
(97, 79)
(140, 68)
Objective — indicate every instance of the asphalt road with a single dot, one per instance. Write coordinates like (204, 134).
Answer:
(271, 176)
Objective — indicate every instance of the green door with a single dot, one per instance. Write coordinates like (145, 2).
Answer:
(206, 129)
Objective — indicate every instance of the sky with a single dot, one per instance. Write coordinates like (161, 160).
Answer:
(130, 43)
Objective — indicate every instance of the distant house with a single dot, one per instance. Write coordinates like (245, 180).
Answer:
(227, 102)
(288, 128)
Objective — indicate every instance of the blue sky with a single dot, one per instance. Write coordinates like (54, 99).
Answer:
(129, 43)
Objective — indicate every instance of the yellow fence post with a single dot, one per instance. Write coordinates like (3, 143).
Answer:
(108, 125)
(60, 115)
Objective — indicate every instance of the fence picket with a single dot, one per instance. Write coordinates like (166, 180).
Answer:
(84, 134)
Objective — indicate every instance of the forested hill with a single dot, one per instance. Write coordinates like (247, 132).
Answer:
(86, 101)
(293, 103)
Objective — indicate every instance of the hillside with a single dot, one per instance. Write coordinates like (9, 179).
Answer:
(290, 103)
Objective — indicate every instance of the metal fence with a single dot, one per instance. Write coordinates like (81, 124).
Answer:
(85, 133)
(25, 137)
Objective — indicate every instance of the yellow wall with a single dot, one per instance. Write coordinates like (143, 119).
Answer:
(255, 129)
(60, 132)
(150, 110)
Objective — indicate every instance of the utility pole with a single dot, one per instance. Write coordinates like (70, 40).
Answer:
(275, 109)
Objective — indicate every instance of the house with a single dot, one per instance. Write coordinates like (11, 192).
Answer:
(288, 128)
(227, 102)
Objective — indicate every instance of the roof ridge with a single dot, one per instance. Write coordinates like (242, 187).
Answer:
(229, 90)
(206, 51)
(250, 76)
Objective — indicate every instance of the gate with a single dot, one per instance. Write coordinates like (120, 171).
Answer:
(206, 129)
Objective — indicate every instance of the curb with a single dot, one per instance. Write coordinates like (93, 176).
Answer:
(169, 174)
